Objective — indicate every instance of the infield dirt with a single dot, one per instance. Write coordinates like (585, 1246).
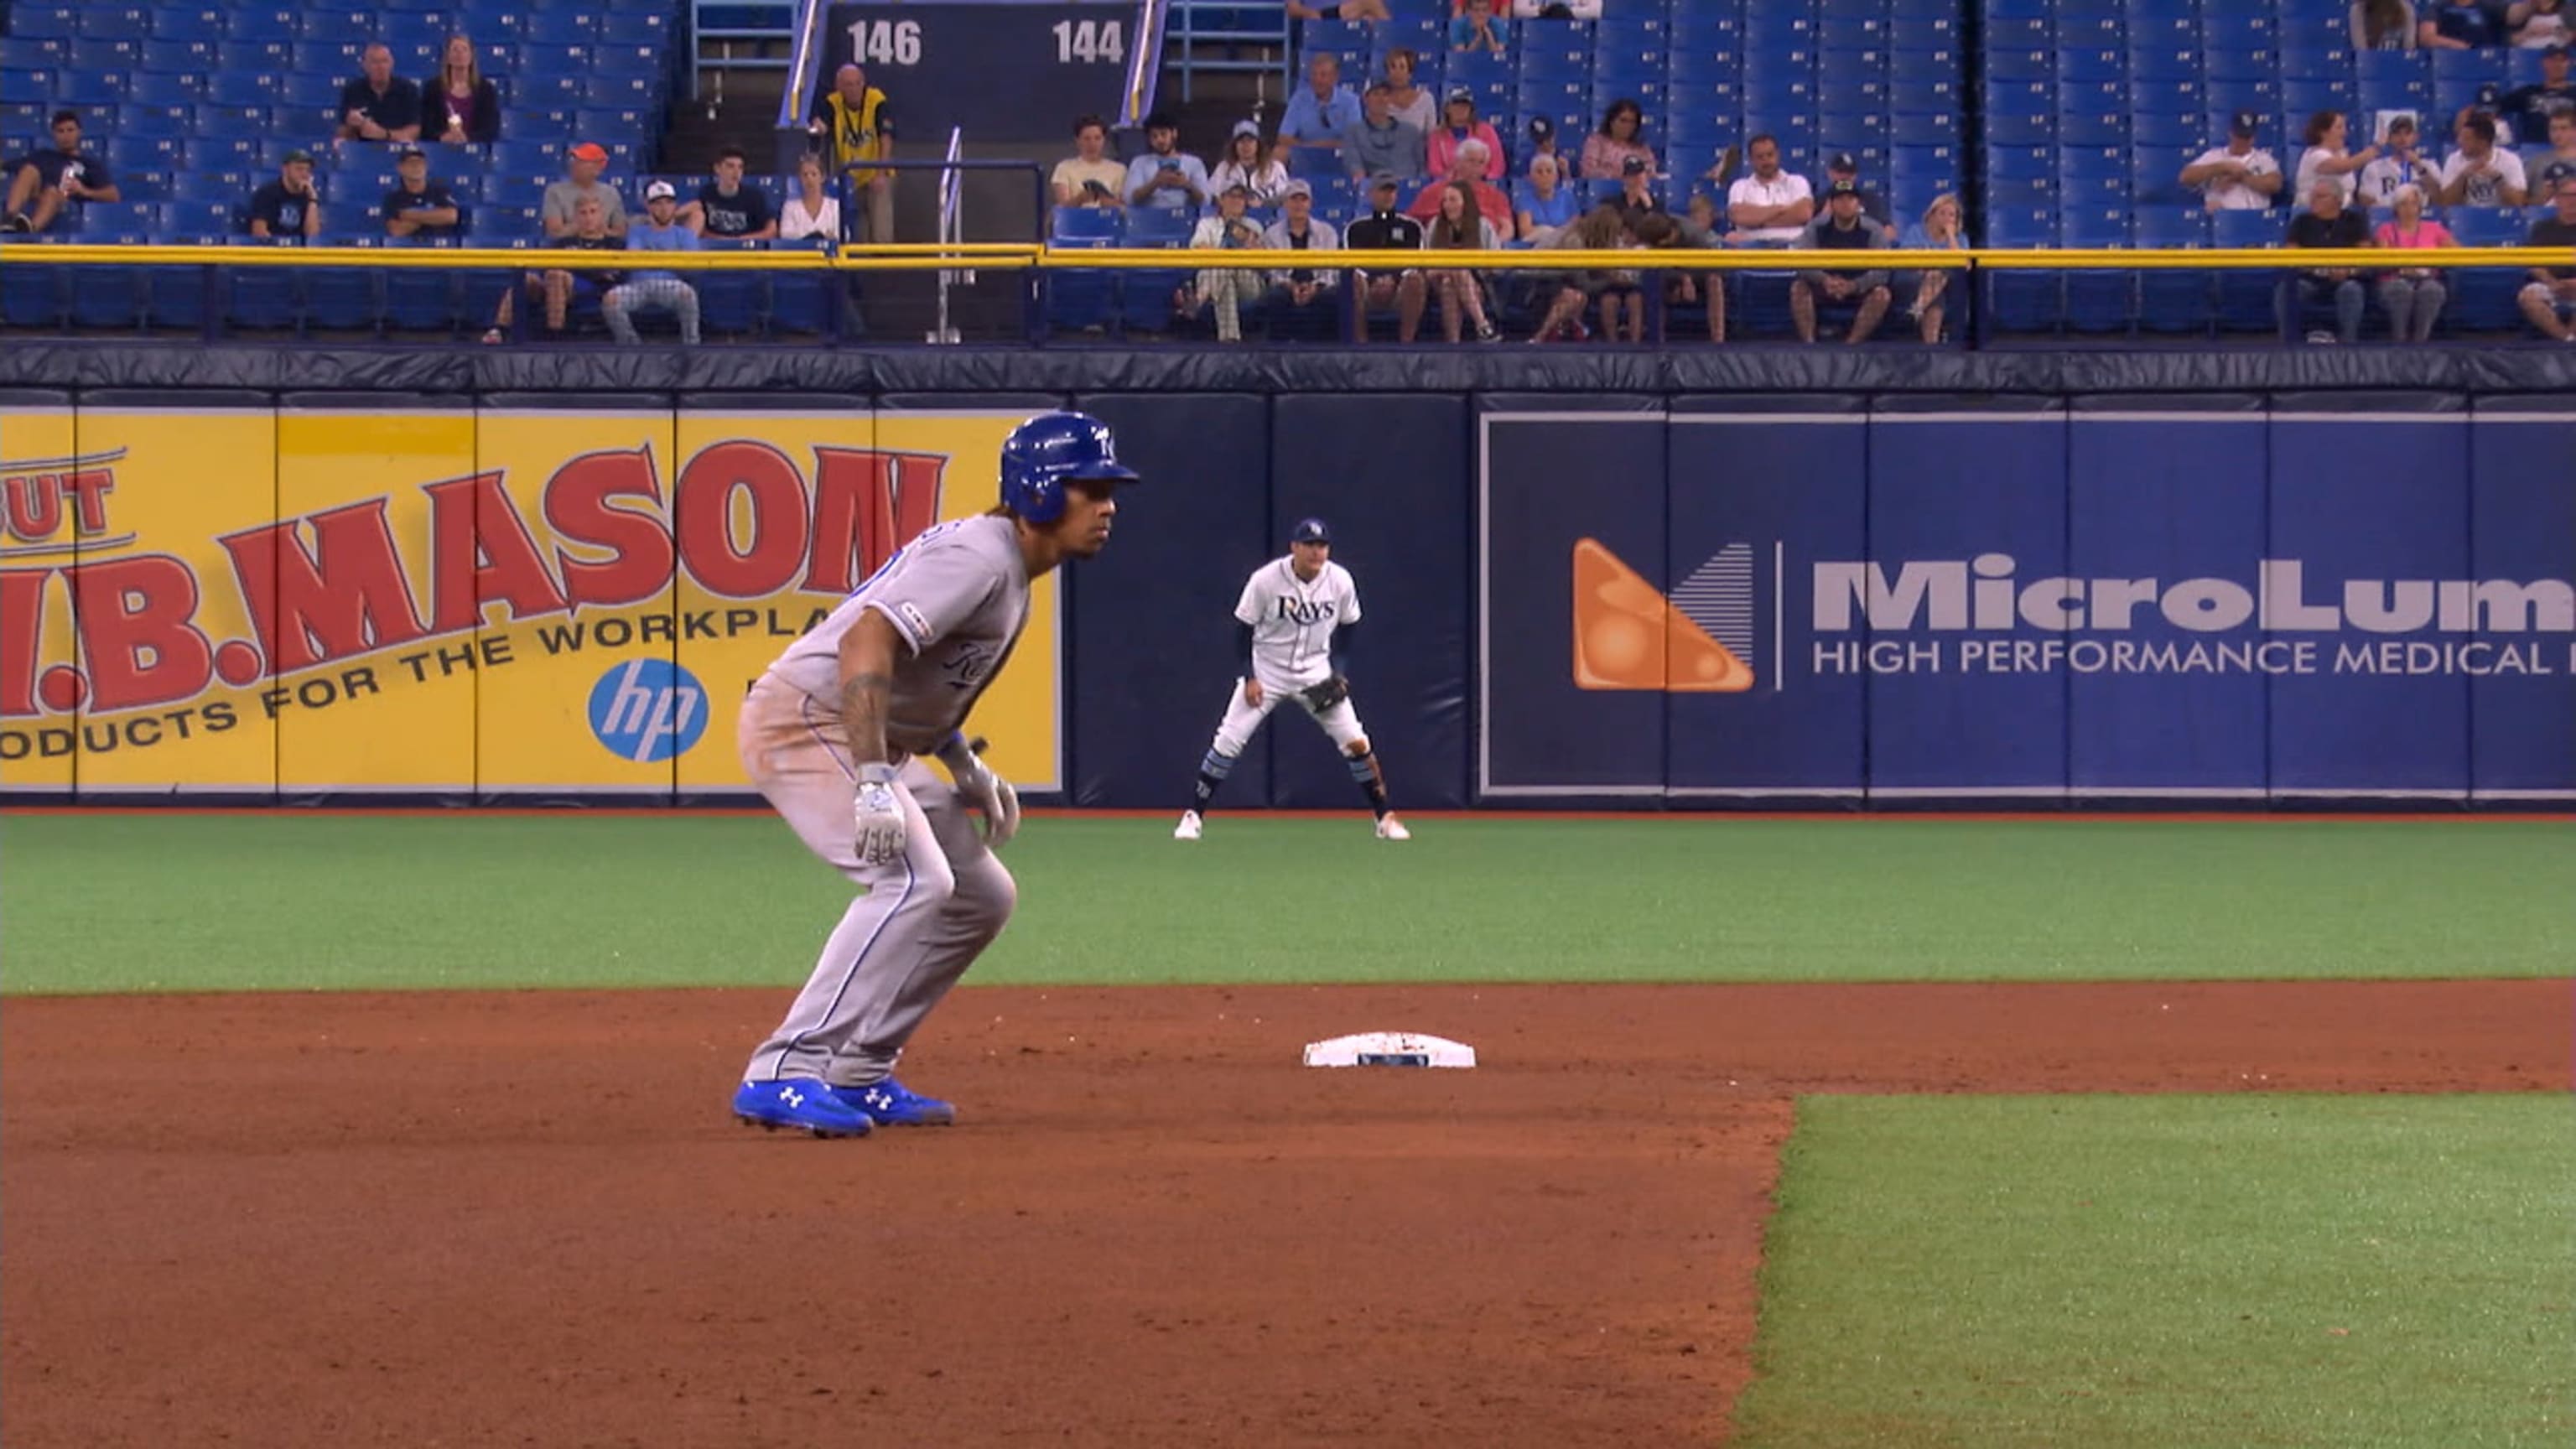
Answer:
(526, 1218)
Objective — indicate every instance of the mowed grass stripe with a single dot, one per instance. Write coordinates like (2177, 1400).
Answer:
(2236, 1273)
(164, 902)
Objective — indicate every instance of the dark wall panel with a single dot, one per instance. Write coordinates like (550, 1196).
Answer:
(2522, 509)
(1390, 474)
(1152, 627)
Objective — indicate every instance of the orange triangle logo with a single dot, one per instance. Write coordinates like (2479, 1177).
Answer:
(1629, 636)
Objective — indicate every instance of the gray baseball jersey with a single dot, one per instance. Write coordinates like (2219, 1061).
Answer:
(959, 596)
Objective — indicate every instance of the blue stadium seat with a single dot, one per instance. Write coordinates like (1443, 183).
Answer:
(2021, 65)
(263, 298)
(576, 25)
(330, 57)
(173, 57)
(265, 22)
(52, 20)
(343, 299)
(2317, 62)
(539, 59)
(2301, 98)
(28, 87)
(128, 22)
(220, 121)
(650, 28)
(117, 54)
(542, 91)
(548, 126)
(33, 295)
(2174, 302)
(618, 92)
(255, 58)
(34, 52)
(84, 88)
(2468, 69)
(189, 22)
(1921, 32)
(2246, 298)
(420, 299)
(203, 216)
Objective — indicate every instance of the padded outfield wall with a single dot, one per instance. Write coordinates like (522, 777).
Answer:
(1752, 578)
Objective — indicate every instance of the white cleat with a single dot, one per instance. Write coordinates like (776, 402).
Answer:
(1189, 827)
(1391, 828)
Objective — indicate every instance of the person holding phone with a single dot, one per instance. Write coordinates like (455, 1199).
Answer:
(1165, 176)
(1089, 177)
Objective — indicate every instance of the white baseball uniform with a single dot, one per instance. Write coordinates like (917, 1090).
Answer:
(1292, 622)
(958, 596)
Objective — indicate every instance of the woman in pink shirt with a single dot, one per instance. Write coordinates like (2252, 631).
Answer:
(2413, 296)
(1606, 151)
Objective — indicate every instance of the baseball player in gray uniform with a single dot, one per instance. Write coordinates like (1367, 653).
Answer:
(835, 734)
(1293, 628)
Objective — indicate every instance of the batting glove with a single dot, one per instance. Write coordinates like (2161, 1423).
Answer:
(985, 791)
(879, 813)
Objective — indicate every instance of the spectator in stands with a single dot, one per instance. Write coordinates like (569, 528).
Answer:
(582, 165)
(2239, 176)
(2412, 296)
(858, 124)
(1938, 231)
(2460, 25)
(290, 206)
(1412, 104)
(2560, 159)
(1597, 230)
(1623, 294)
(1469, 164)
(730, 208)
(459, 106)
(1476, 29)
(813, 211)
(2327, 223)
(1389, 230)
(1463, 129)
(418, 206)
(655, 290)
(1089, 177)
(587, 232)
(1636, 197)
(2482, 173)
(1701, 225)
(1460, 226)
(1300, 295)
(1606, 151)
(1322, 113)
(2383, 25)
(1263, 172)
(2329, 156)
(2538, 23)
(1228, 289)
(1772, 206)
(1166, 176)
(2530, 107)
(1361, 10)
(1547, 206)
(2550, 299)
(2399, 166)
(1844, 166)
(379, 105)
(1542, 136)
(42, 184)
(1380, 142)
(1843, 227)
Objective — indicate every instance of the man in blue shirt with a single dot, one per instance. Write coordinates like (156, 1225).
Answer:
(2459, 25)
(660, 231)
(1319, 115)
(1166, 176)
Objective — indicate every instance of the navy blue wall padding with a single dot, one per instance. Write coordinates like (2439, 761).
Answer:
(1152, 618)
(2380, 493)
(1785, 486)
(2522, 526)
(1965, 479)
(1392, 476)
(1549, 479)
(2148, 498)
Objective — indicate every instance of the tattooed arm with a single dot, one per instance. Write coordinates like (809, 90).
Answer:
(868, 654)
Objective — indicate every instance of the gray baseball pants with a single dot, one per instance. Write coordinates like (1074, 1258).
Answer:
(916, 926)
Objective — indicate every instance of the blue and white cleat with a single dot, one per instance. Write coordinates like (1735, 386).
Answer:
(799, 1104)
(890, 1103)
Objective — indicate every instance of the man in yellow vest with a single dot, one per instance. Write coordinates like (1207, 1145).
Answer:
(856, 126)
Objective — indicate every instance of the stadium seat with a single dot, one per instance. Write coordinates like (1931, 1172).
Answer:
(54, 20)
(265, 22)
(220, 121)
(2169, 301)
(28, 87)
(111, 55)
(34, 295)
(122, 22)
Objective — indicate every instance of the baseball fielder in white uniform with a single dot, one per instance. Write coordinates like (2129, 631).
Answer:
(1295, 619)
(835, 734)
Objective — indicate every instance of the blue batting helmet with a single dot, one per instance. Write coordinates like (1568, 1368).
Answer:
(1050, 450)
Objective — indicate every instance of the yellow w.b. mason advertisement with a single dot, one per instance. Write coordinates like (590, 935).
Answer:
(449, 600)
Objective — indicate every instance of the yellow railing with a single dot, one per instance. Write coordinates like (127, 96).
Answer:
(1013, 256)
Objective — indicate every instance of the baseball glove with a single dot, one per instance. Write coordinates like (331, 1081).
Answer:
(1327, 694)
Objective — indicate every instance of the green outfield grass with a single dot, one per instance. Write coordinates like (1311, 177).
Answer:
(2235, 1273)
(158, 902)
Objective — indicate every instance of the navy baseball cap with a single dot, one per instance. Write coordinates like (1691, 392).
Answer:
(1310, 530)
(2243, 123)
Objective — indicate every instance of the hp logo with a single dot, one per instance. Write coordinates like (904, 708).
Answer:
(647, 709)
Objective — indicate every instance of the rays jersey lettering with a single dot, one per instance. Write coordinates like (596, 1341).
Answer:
(1293, 620)
(958, 596)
